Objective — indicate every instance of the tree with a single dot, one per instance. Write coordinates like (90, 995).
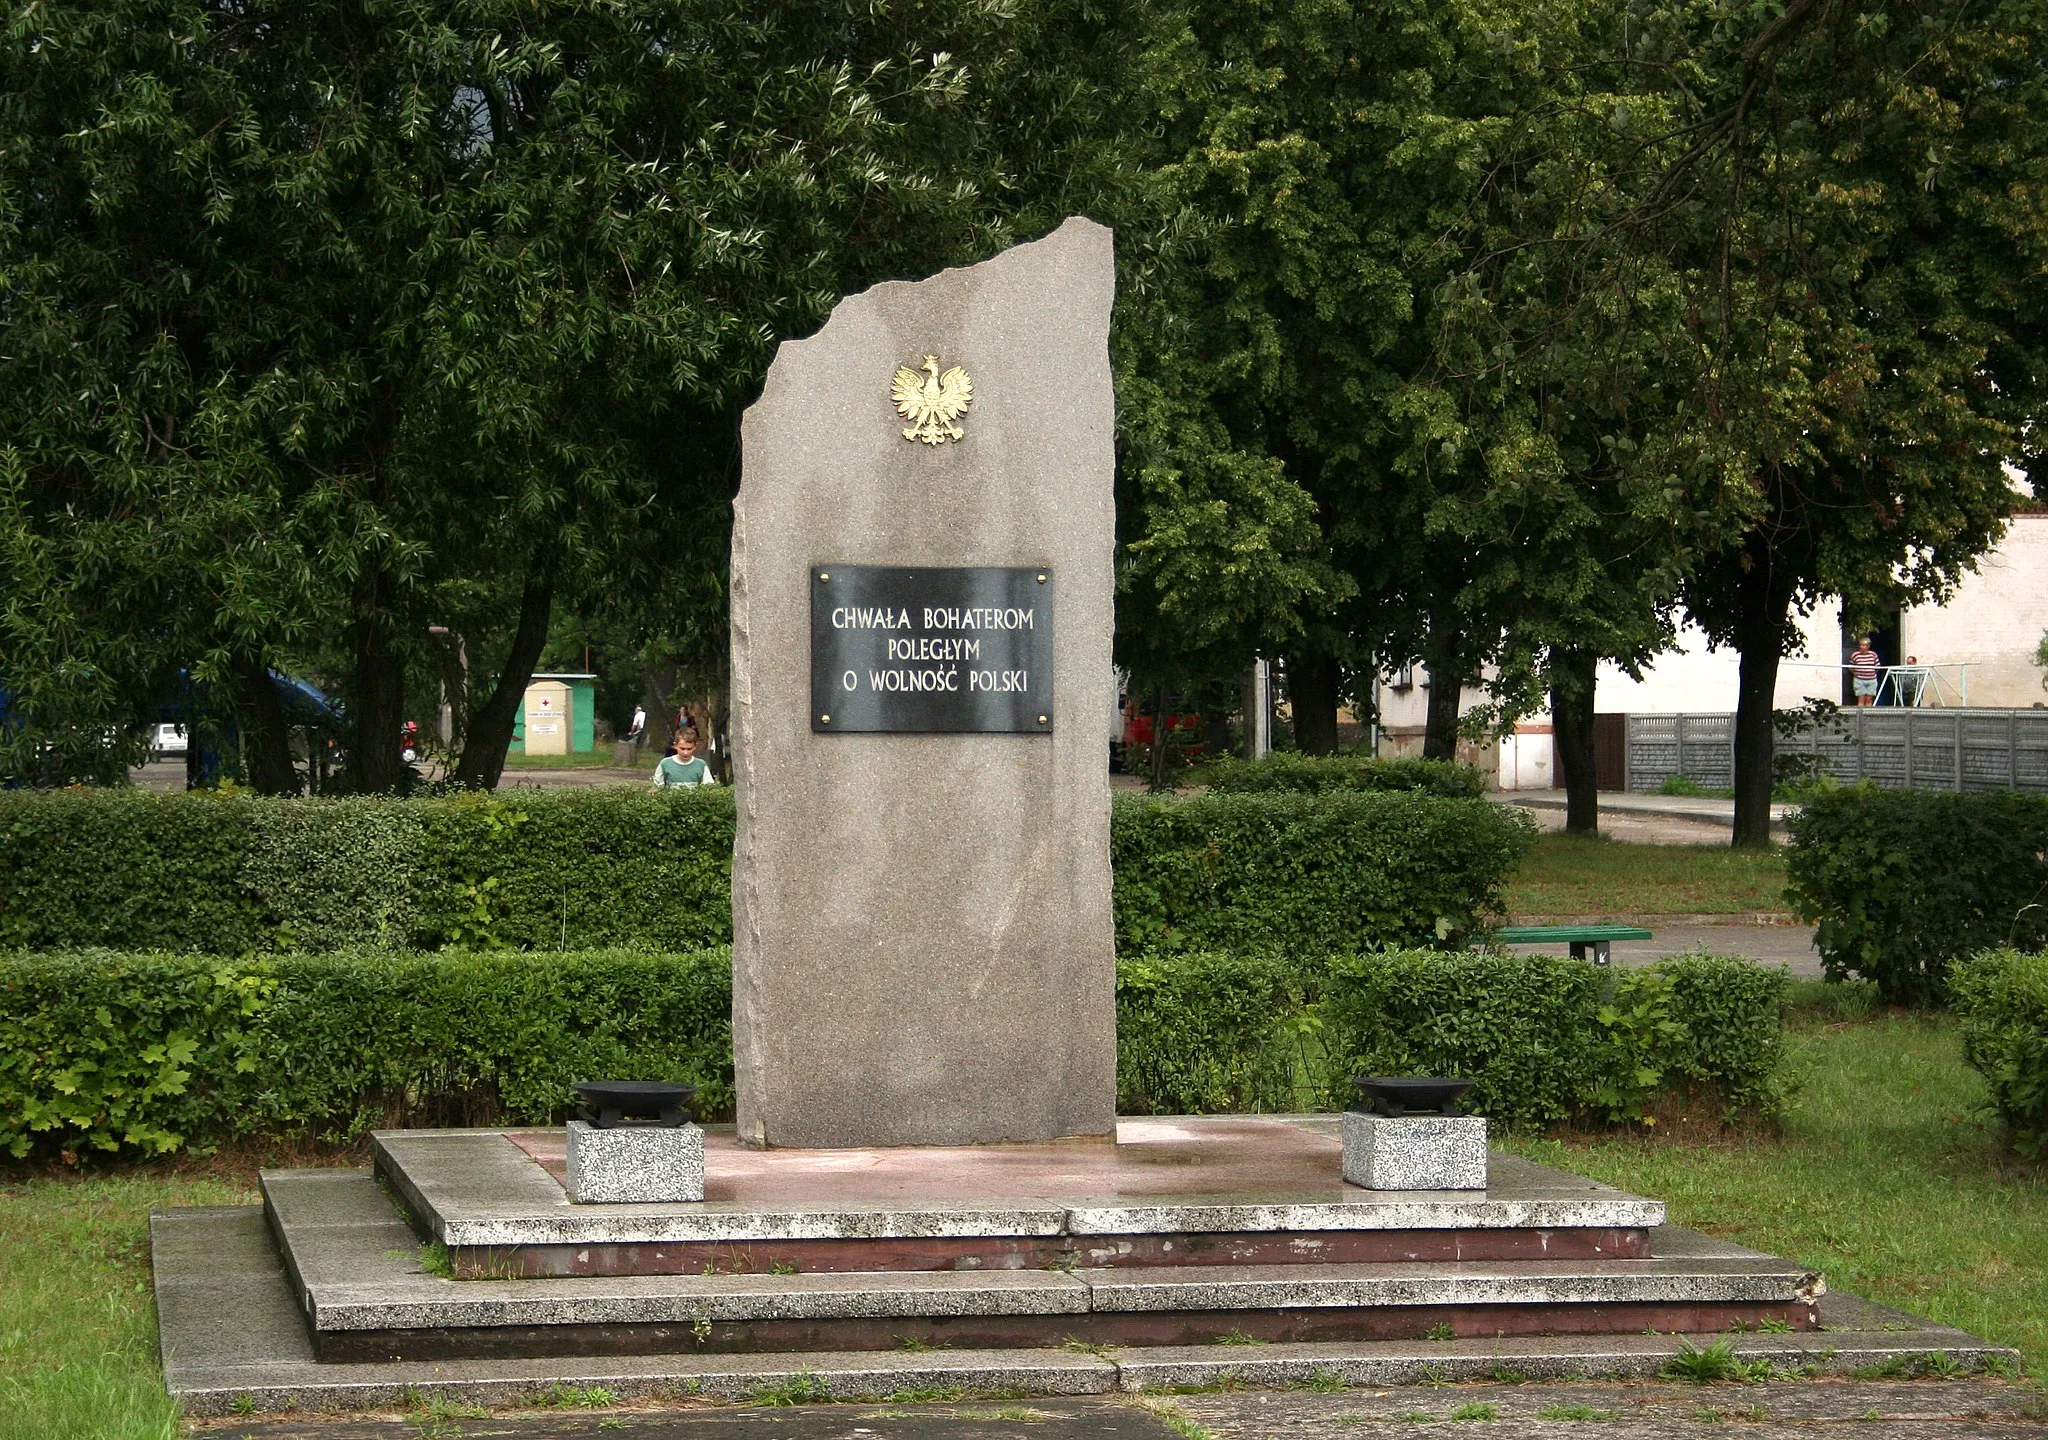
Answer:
(336, 320)
(1842, 191)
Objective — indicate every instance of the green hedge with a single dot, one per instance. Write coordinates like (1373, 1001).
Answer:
(1310, 874)
(1904, 883)
(1315, 774)
(1551, 1039)
(1208, 1033)
(2001, 997)
(147, 1053)
(128, 1054)
(628, 866)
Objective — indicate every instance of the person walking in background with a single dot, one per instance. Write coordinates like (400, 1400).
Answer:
(1863, 667)
(683, 767)
(639, 725)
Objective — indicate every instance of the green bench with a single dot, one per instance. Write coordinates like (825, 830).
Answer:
(1579, 937)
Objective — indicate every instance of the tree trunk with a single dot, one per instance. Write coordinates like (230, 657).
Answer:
(657, 684)
(377, 705)
(1312, 682)
(490, 725)
(1446, 696)
(266, 732)
(1572, 674)
(1160, 731)
(1215, 719)
(1760, 637)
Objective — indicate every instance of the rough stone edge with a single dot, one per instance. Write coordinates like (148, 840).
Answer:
(209, 1391)
(739, 1378)
(1592, 1357)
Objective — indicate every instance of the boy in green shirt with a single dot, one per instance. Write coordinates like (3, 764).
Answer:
(683, 767)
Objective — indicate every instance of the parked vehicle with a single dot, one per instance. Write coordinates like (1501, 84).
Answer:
(169, 741)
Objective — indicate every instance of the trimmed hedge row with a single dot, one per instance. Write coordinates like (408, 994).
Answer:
(122, 1053)
(2001, 997)
(1904, 883)
(1316, 774)
(608, 867)
(1310, 874)
(233, 875)
(119, 1052)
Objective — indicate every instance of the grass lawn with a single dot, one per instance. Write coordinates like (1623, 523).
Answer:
(1575, 875)
(1885, 1176)
(77, 1329)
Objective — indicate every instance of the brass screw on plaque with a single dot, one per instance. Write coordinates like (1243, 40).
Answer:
(1041, 579)
(1041, 719)
(824, 719)
(822, 576)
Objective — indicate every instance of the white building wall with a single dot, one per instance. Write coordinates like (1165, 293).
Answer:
(1991, 626)
(1993, 623)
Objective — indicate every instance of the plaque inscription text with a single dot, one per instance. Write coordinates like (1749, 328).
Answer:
(907, 650)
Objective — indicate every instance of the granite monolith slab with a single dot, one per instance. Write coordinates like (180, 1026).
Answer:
(922, 946)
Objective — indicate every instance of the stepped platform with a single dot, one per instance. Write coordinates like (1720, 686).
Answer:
(236, 1341)
(1220, 1190)
(1040, 1269)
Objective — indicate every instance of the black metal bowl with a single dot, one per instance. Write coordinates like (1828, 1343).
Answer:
(1395, 1095)
(609, 1103)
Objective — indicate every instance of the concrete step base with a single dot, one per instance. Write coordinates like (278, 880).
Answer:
(1201, 1190)
(366, 1297)
(235, 1342)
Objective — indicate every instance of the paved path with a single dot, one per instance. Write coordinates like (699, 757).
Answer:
(1645, 819)
(1788, 945)
(1869, 1409)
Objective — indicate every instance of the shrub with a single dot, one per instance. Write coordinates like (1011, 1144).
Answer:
(129, 869)
(1315, 774)
(127, 1054)
(2001, 997)
(1309, 874)
(1203, 1033)
(147, 1053)
(1551, 1039)
(630, 866)
(1905, 882)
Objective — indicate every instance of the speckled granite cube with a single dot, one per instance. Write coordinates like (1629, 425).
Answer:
(635, 1164)
(1415, 1152)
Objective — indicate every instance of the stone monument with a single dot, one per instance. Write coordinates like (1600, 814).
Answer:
(921, 687)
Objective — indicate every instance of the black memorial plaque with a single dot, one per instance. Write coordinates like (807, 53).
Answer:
(901, 650)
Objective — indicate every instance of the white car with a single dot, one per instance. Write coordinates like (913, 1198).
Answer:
(170, 740)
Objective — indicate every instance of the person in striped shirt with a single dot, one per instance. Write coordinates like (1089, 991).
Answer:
(1863, 668)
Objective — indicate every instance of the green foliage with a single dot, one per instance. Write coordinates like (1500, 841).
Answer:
(194, 872)
(1703, 1366)
(1315, 774)
(129, 869)
(1551, 1039)
(1698, 1025)
(337, 876)
(1523, 1027)
(1905, 882)
(1310, 874)
(1202, 1033)
(125, 1054)
(632, 866)
(2001, 998)
(148, 1053)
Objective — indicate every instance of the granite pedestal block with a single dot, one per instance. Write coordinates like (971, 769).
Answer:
(1415, 1152)
(635, 1164)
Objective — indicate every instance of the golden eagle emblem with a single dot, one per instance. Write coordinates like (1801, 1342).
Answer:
(931, 402)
